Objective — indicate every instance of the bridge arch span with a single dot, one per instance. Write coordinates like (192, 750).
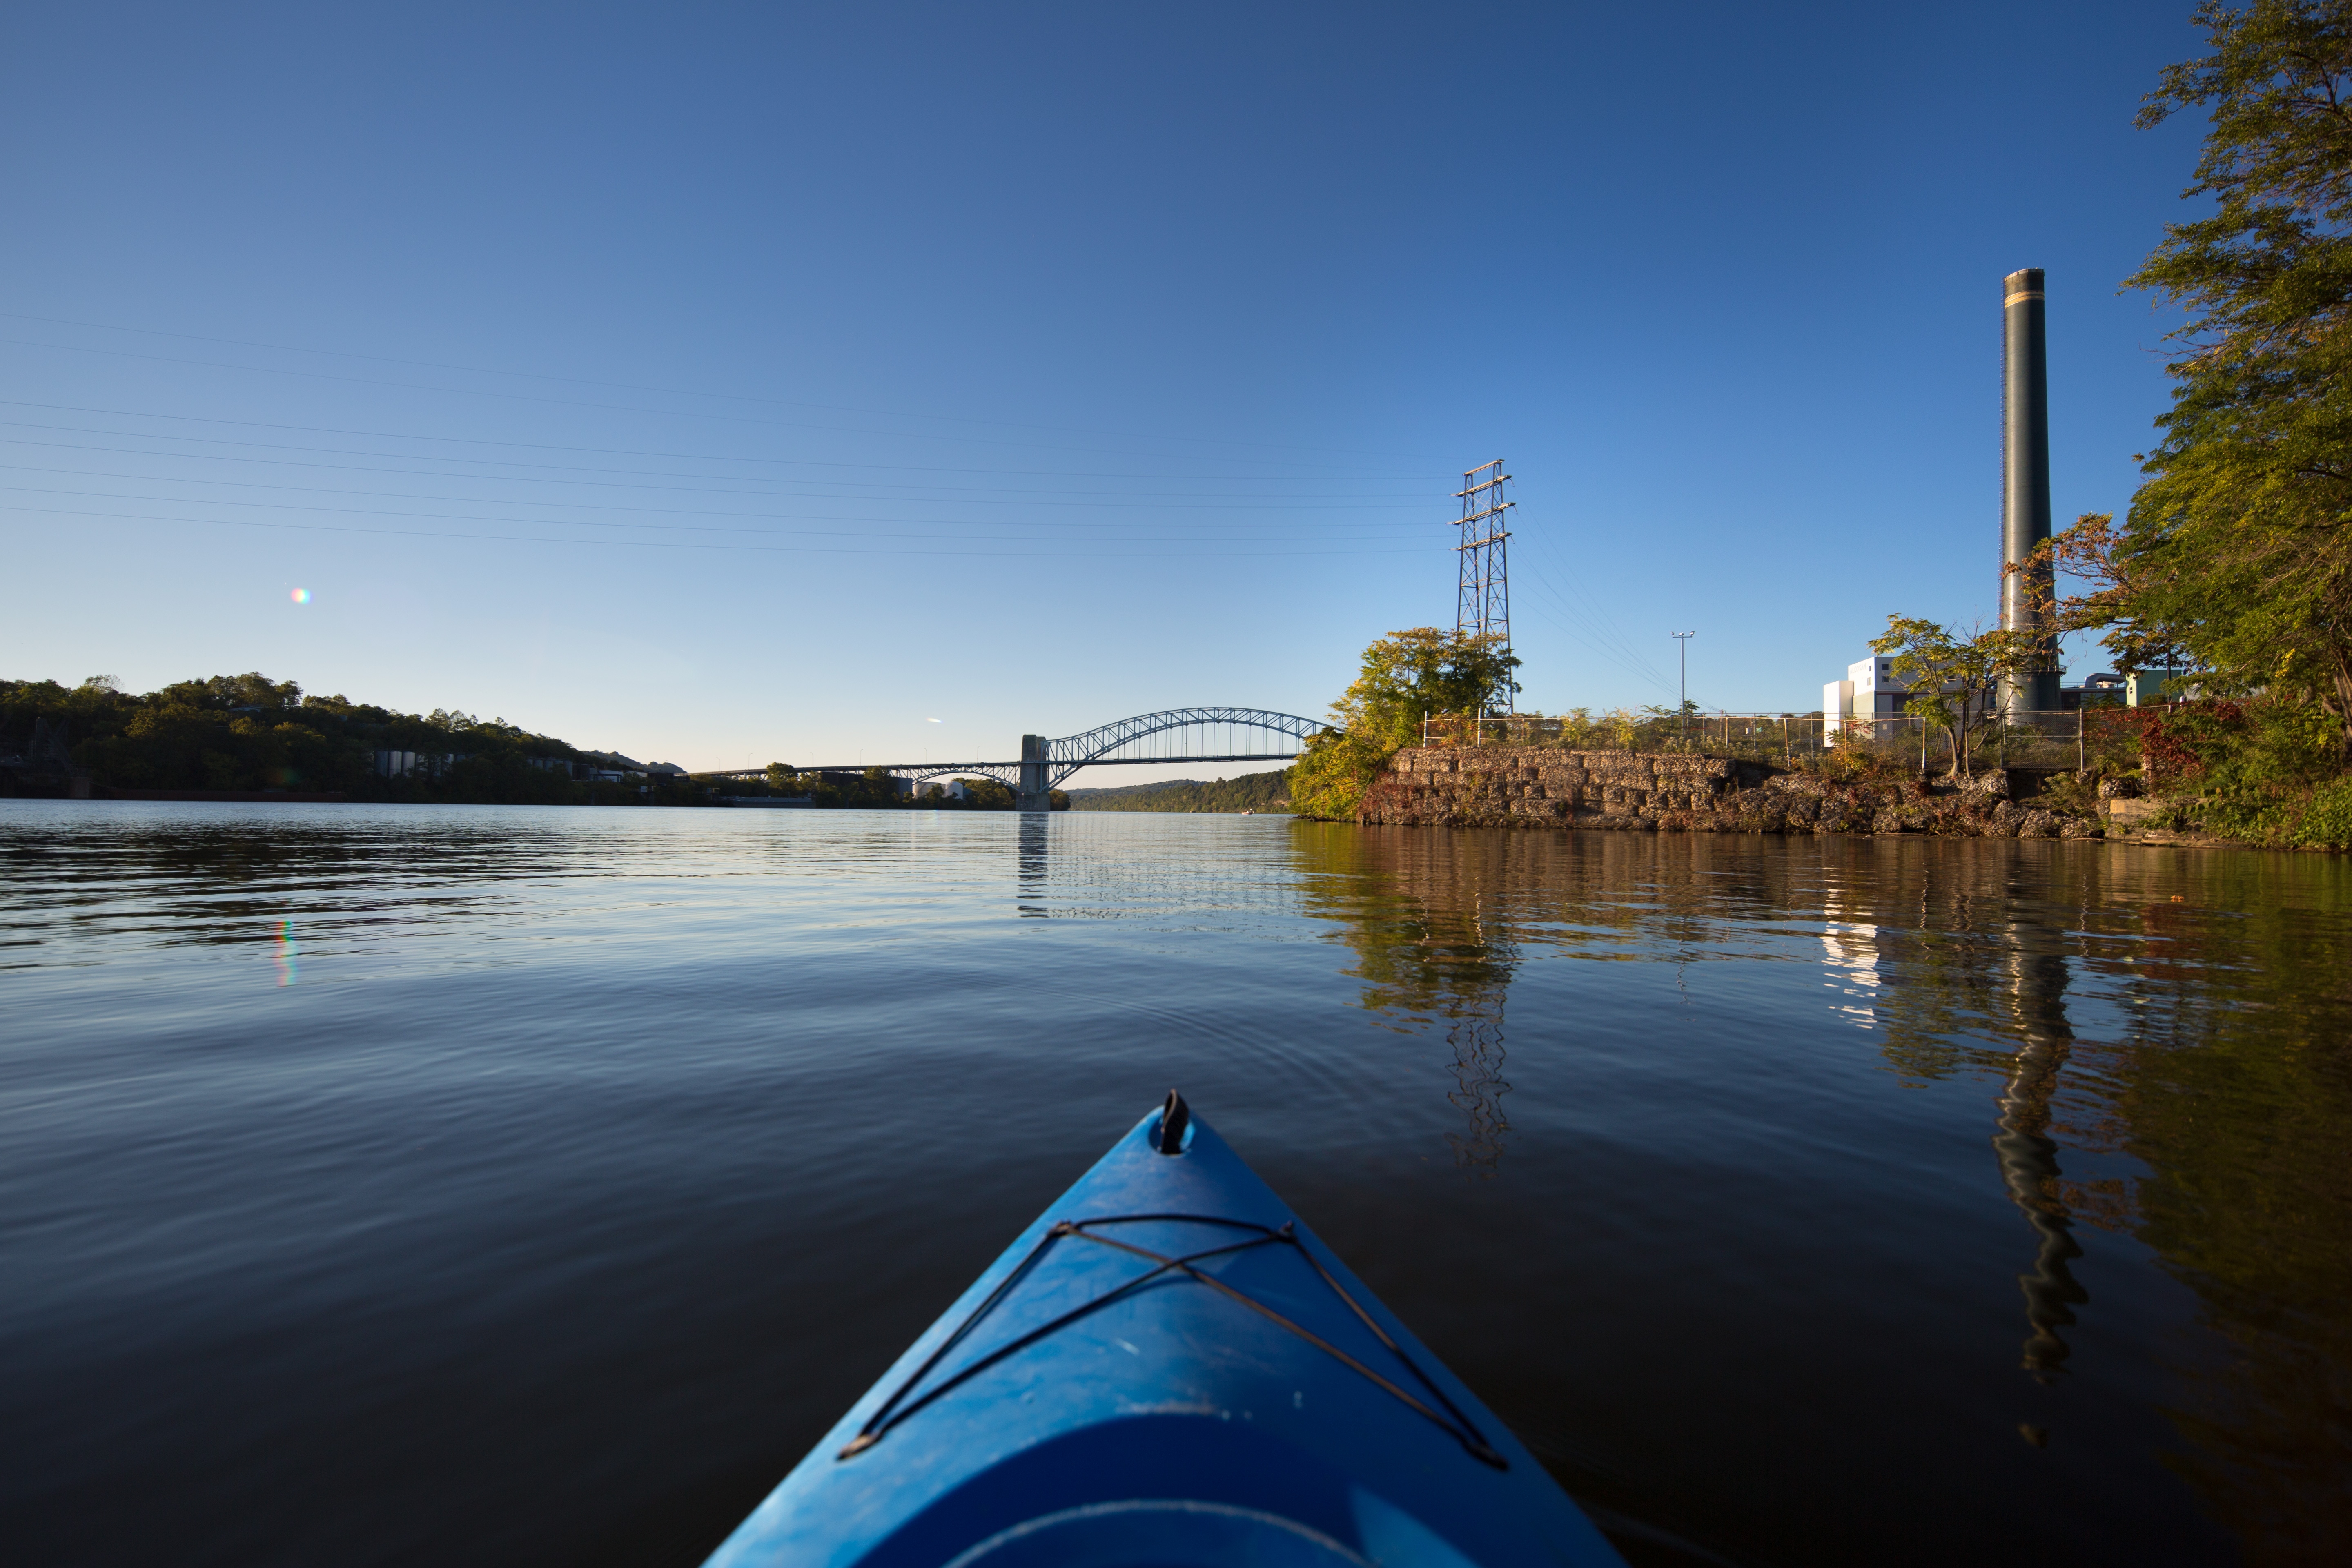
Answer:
(1124, 741)
(1171, 735)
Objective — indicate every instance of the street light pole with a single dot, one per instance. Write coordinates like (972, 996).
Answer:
(1682, 709)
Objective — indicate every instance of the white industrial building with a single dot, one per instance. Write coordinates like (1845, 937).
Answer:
(1868, 692)
(1871, 694)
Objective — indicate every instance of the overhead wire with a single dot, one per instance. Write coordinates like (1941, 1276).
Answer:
(1059, 553)
(1022, 497)
(599, 450)
(604, 408)
(788, 481)
(633, 386)
(1586, 624)
(1255, 533)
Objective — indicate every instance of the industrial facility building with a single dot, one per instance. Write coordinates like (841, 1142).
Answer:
(1868, 693)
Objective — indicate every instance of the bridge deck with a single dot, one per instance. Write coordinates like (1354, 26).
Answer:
(1045, 764)
(937, 769)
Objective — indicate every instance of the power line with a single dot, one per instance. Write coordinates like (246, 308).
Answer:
(683, 511)
(616, 386)
(1597, 632)
(606, 407)
(563, 522)
(685, 544)
(984, 497)
(556, 446)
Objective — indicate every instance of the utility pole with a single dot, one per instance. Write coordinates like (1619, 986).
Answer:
(1682, 707)
(1482, 604)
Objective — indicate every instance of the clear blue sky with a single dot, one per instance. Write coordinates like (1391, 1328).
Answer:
(727, 383)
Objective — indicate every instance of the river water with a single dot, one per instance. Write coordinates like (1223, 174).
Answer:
(483, 1185)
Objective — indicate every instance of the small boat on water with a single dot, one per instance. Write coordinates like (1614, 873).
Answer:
(1167, 1369)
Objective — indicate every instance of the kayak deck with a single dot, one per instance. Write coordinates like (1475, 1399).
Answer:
(1167, 1367)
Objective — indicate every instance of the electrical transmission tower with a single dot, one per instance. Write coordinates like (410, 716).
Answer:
(1482, 603)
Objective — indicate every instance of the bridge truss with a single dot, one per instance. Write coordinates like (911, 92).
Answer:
(1172, 735)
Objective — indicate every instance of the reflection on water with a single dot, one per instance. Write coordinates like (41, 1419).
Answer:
(2021, 977)
(372, 1175)
(289, 955)
(1034, 838)
(1434, 948)
(2164, 1043)
(1477, 1041)
(2028, 1156)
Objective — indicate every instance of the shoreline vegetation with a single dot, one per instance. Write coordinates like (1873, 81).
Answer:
(1692, 791)
(2200, 771)
(2189, 772)
(1265, 792)
(247, 737)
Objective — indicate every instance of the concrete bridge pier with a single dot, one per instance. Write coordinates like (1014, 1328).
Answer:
(1034, 787)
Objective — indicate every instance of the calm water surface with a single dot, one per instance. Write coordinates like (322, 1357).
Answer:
(388, 1185)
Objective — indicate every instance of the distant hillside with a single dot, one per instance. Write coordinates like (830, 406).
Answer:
(1251, 791)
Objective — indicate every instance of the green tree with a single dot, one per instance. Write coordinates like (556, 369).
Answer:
(1406, 678)
(1423, 673)
(1953, 673)
(1332, 773)
(2237, 547)
(989, 794)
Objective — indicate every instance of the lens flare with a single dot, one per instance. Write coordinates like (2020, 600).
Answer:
(301, 595)
(289, 956)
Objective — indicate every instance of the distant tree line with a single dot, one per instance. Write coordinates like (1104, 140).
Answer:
(1250, 792)
(875, 789)
(249, 733)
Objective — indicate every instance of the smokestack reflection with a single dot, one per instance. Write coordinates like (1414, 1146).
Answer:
(2028, 1156)
(1955, 976)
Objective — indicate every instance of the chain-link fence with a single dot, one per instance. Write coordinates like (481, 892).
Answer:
(2071, 738)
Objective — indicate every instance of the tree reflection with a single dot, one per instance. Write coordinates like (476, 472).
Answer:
(2235, 1091)
(1426, 919)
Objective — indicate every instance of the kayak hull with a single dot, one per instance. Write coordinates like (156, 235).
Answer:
(1167, 1367)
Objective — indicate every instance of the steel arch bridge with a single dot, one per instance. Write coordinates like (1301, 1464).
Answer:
(1171, 735)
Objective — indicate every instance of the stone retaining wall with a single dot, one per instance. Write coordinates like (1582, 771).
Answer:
(1538, 787)
(1498, 786)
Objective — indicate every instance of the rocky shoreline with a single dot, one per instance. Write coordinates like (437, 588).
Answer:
(1536, 786)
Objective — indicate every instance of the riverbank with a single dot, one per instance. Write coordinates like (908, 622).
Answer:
(1542, 787)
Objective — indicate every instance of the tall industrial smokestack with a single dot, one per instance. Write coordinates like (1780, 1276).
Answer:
(2025, 483)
